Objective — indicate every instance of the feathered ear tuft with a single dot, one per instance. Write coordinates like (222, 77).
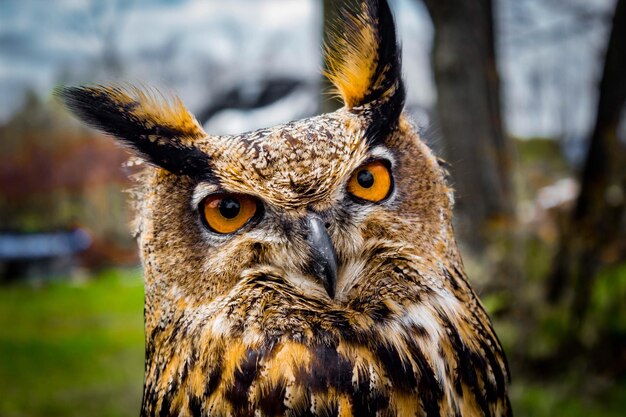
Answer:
(363, 61)
(362, 55)
(159, 129)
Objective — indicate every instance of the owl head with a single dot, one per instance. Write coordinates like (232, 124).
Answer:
(311, 200)
(306, 235)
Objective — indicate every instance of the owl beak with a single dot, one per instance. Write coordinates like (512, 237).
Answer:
(323, 256)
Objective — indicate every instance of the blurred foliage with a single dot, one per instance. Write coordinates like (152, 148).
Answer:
(564, 399)
(608, 306)
(541, 332)
(58, 175)
(555, 371)
(541, 157)
(55, 172)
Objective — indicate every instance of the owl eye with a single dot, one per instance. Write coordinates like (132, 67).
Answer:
(371, 181)
(227, 213)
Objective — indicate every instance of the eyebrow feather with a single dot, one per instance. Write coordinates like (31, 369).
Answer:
(157, 129)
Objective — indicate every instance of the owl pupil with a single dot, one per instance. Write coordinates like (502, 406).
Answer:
(365, 179)
(229, 208)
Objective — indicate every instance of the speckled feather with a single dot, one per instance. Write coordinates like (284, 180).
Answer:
(237, 325)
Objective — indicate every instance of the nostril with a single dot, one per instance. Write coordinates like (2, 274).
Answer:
(327, 225)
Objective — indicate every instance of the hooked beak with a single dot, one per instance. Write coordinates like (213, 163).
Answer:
(323, 256)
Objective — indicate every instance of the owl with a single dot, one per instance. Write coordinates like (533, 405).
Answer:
(307, 269)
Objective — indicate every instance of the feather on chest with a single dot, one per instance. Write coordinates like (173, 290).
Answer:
(302, 358)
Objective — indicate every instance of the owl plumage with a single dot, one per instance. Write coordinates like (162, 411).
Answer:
(324, 301)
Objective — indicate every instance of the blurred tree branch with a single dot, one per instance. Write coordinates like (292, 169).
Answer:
(469, 112)
(594, 235)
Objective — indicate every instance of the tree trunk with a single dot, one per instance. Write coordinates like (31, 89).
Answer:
(327, 102)
(468, 111)
(595, 233)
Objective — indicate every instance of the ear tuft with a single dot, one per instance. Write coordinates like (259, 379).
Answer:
(362, 56)
(158, 128)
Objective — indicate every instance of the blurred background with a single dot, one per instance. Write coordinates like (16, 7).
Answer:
(525, 100)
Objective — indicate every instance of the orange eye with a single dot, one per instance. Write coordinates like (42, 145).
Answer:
(227, 213)
(371, 181)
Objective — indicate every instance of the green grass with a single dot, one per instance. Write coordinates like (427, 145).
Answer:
(72, 349)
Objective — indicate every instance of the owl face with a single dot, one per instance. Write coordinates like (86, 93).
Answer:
(308, 268)
(296, 206)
